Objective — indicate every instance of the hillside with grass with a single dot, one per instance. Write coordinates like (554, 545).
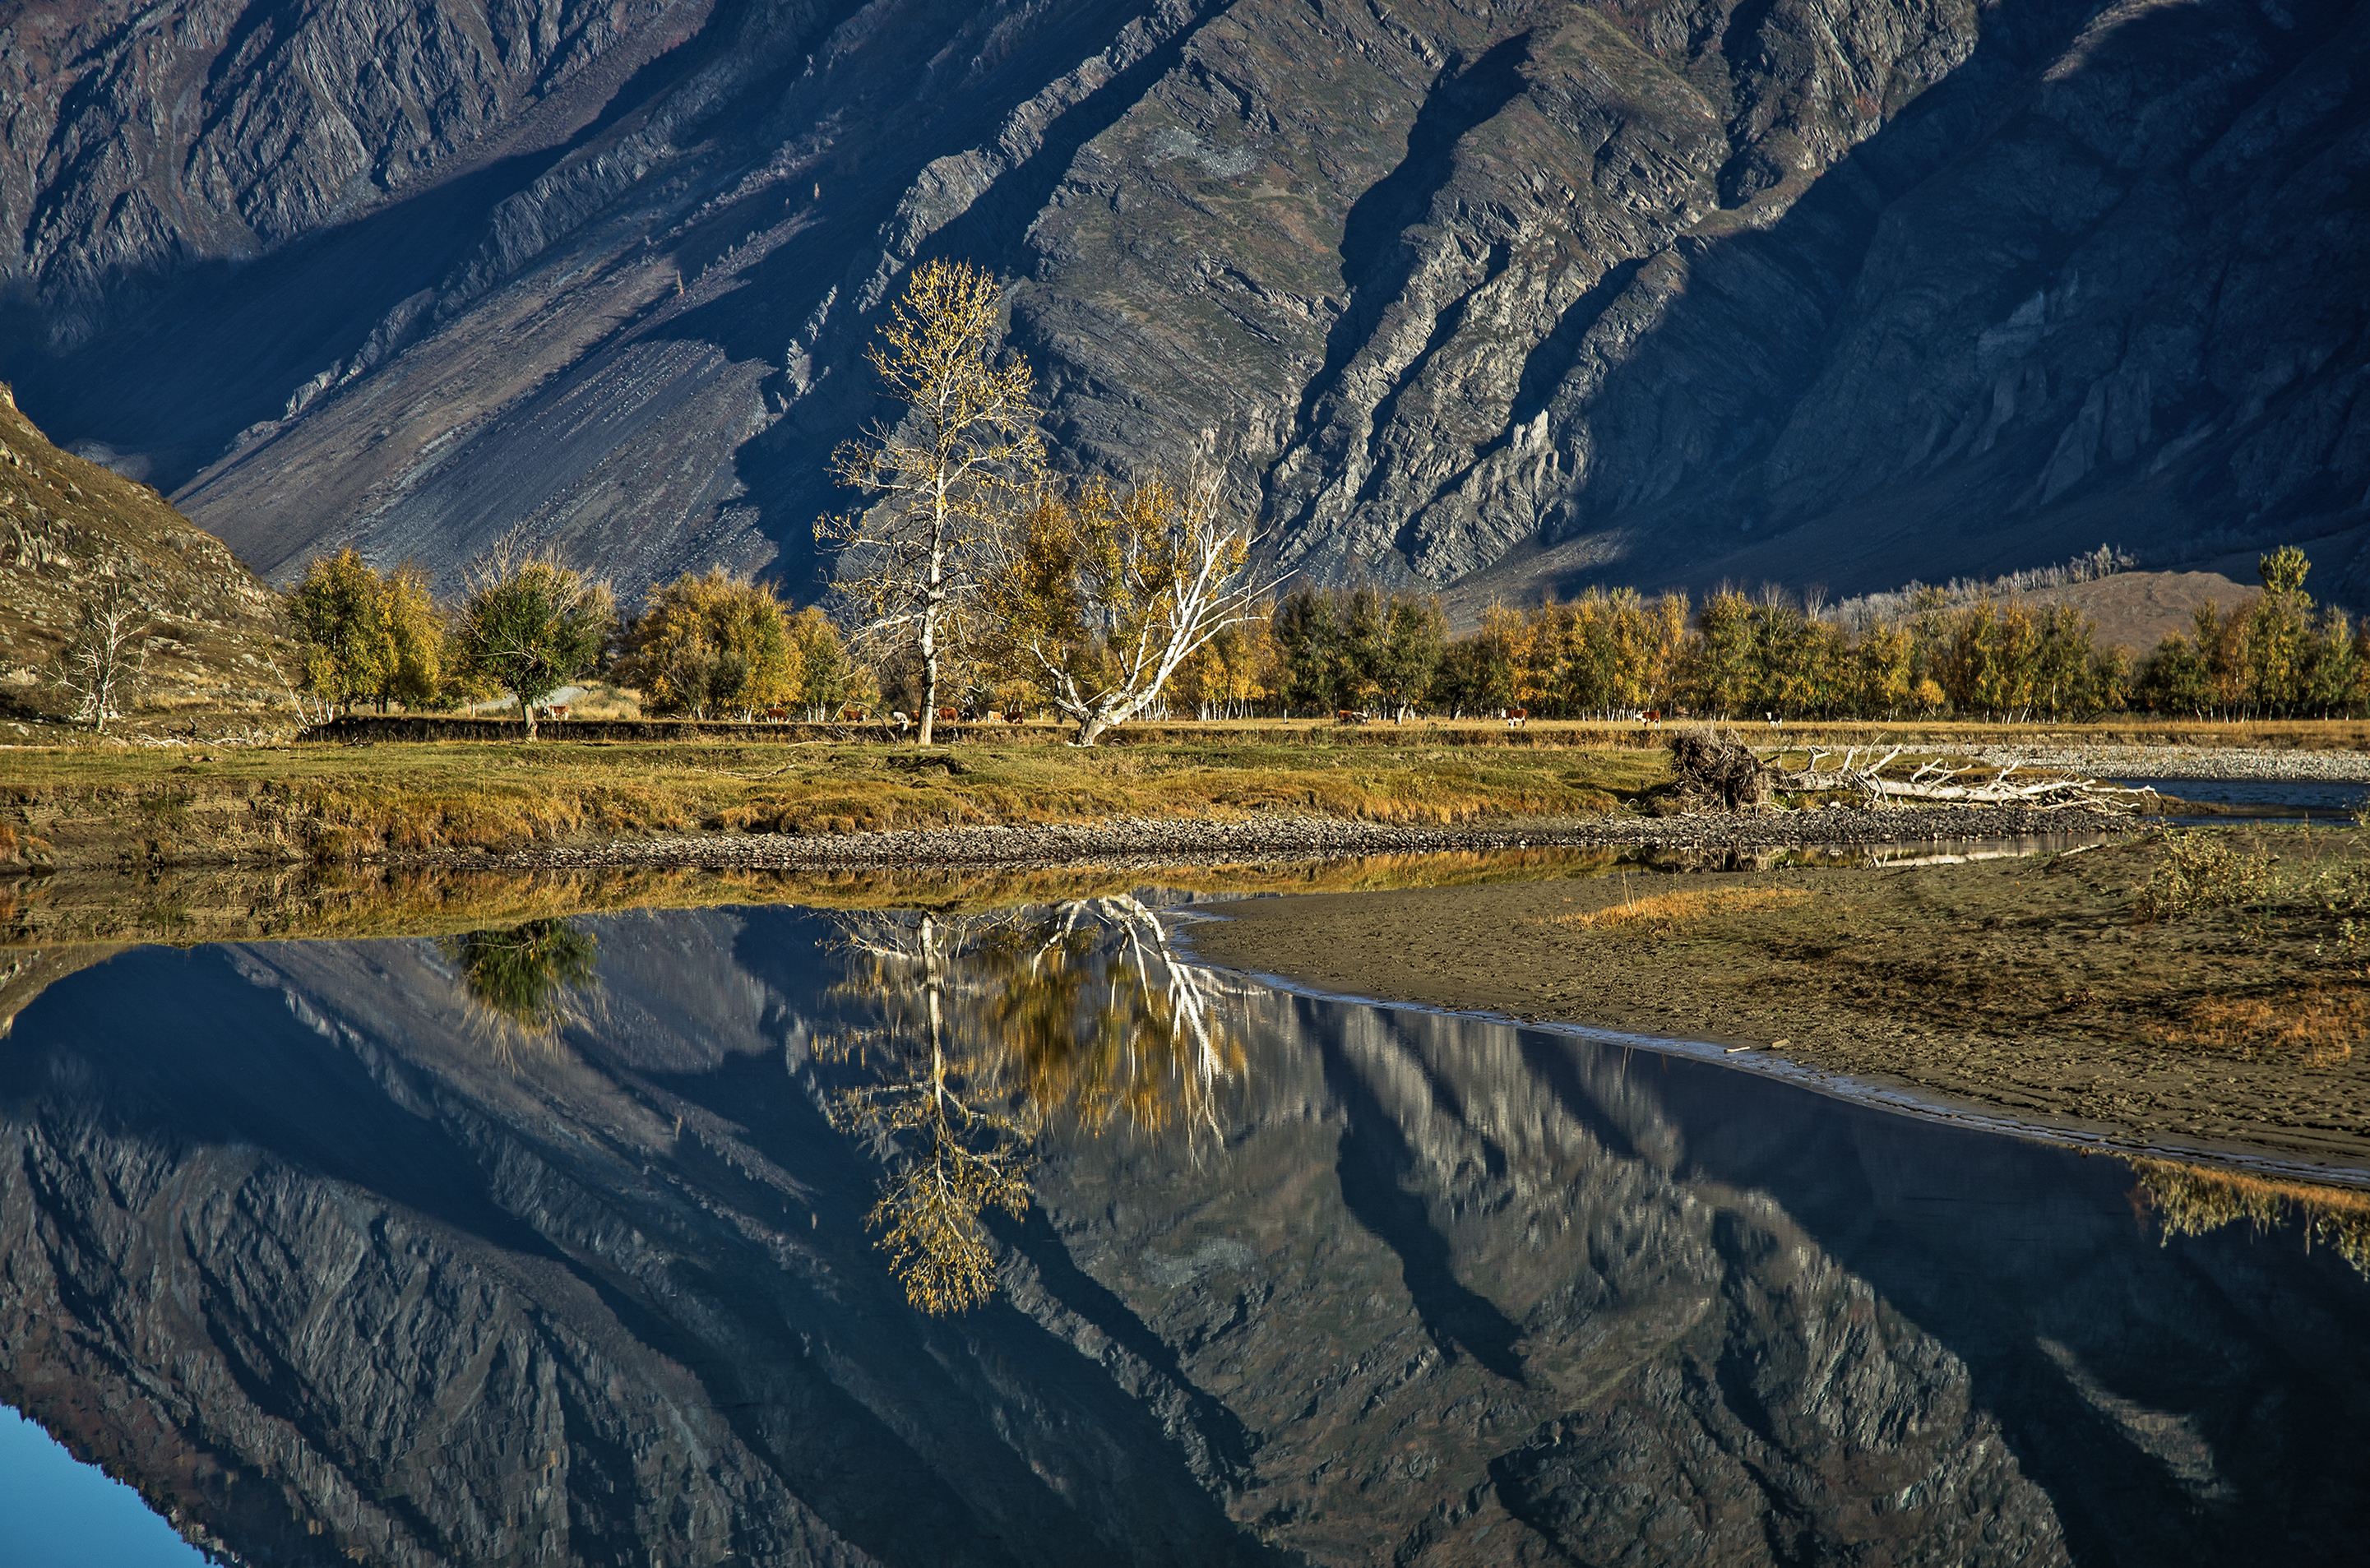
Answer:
(207, 638)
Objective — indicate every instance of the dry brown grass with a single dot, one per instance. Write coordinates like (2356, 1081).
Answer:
(2318, 1026)
(2191, 1200)
(1661, 914)
(329, 803)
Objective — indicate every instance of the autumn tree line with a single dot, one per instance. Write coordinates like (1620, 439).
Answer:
(971, 579)
(1931, 653)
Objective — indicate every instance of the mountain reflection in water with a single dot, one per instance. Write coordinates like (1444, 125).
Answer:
(285, 1244)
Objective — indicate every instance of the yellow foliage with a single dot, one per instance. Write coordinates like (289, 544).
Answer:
(2319, 1025)
(1663, 913)
(2190, 1200)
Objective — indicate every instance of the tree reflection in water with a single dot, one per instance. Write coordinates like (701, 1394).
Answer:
(526, 982)
(986, 1029)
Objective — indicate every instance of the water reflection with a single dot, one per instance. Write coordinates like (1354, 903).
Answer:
(1297, 1281)
(975, 1032)
(526, 982)
(2195, 1201)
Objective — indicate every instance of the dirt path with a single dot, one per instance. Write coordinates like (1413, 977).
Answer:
(2026, 986)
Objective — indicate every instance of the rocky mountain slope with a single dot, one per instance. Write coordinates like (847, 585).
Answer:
(1504, 296)
(211, 634)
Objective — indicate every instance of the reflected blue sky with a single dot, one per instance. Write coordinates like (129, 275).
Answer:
(56, 1511)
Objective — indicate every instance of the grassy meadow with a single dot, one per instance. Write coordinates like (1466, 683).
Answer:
(88, 806)
(94, 806)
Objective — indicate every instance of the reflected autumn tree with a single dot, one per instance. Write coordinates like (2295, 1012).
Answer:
(981, 1031)
(525, 982)
(2196, 1200)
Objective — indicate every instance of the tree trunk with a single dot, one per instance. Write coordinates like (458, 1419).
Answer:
(929, 696)
(1090, 729)
(526, 709)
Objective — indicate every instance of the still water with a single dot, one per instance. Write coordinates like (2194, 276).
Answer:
(775, 1236)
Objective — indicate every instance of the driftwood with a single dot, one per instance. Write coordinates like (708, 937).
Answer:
(1936, 781)
(1713, 771)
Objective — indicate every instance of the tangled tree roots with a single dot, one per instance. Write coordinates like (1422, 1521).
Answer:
(1713, 771)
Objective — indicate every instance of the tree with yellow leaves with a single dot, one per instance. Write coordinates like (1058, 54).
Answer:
(1107, 593)
(369, 635)
(941, 483)
(712, 646)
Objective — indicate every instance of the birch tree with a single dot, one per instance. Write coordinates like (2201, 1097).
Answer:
(105, 655)
(1105, 595)
(941, 483)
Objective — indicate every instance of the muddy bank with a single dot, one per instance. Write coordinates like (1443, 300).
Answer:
(2031, 988)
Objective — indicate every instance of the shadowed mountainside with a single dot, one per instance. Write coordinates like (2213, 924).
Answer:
(1507, 297)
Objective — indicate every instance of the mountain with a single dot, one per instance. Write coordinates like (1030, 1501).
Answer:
(211, 635)
(1498, 296)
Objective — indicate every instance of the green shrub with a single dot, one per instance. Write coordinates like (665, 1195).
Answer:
(2203, 870)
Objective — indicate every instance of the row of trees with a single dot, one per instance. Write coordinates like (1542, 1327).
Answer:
(2276, 655)
(1068, 629)
(972, 577)
(710, 646)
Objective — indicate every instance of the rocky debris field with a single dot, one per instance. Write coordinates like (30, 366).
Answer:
(1184, 842)
(2186, 761)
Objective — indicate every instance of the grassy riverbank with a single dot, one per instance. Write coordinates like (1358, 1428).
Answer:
(2087, 986)
(198, 804)
(91, 808)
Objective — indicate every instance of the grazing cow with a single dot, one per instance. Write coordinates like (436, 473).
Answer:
(897, 715)
(778, 716)
(1516, 718)
(1350, 716)
(946, 715)
(1652, 717)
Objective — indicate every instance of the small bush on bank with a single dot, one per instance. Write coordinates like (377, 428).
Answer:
(2202, 871)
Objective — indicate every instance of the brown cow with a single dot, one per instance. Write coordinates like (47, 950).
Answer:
(776, 715)
(1517, 718)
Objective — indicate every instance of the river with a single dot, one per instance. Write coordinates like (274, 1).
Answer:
(769, 1235)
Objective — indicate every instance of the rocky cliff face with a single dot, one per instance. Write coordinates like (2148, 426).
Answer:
(1504, 296)
(284, 1242)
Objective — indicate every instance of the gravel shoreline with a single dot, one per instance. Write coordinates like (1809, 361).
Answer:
(2186, 762)
(1286, 838)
